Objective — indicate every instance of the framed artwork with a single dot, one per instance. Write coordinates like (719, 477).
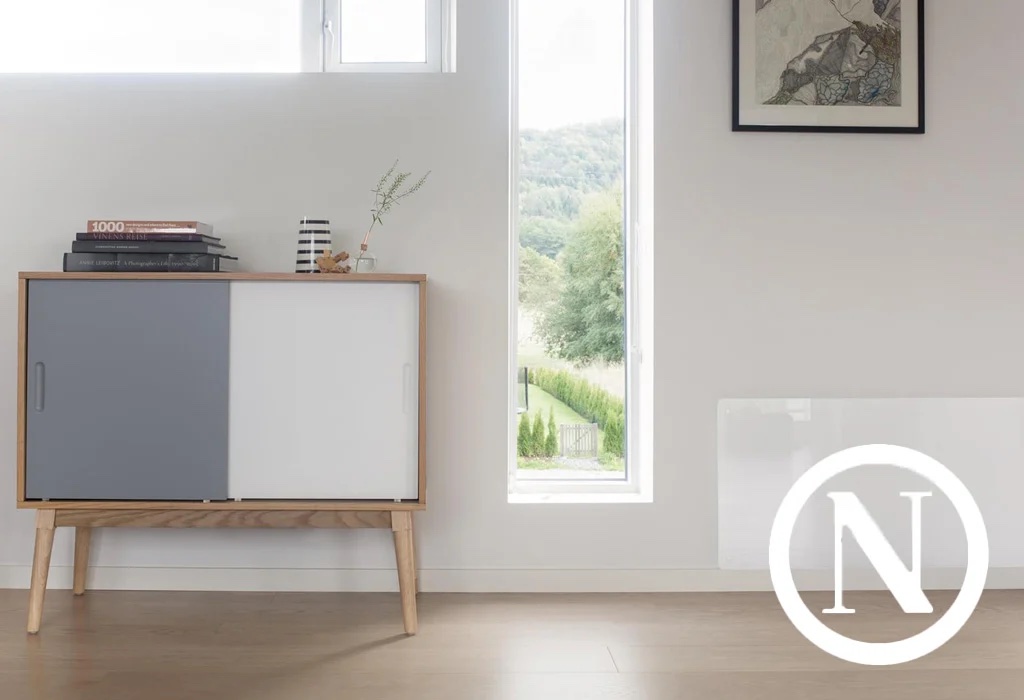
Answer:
(828, 65)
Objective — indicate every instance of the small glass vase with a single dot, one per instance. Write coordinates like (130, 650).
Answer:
(364, 262)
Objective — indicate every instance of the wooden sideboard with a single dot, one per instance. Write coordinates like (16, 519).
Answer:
(221, 400)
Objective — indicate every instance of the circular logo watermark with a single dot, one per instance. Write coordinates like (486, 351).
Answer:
(878, 653)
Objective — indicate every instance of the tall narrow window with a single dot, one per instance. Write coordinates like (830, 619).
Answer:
(576, 342)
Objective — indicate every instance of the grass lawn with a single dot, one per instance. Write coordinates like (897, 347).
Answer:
(610, 463)
(537, 463)
(541, 401)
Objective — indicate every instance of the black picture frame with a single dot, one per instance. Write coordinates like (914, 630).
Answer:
(737, 67)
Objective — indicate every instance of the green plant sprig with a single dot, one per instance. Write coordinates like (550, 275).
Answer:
(388, 193)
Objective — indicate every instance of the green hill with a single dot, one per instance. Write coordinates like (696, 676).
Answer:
(558, 168)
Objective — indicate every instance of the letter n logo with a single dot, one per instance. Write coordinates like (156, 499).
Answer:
(903, 582)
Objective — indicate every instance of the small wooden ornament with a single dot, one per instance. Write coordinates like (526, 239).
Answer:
(332, 263)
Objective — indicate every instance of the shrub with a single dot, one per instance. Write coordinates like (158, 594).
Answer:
(525, 438)
(537, 436)
(615, 434)
(551, 442)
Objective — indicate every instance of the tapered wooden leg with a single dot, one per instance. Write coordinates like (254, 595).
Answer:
(83, 537)
(401, 524)
(415, 569)
(45, 521)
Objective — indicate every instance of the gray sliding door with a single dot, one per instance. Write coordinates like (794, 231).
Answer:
(127, 390)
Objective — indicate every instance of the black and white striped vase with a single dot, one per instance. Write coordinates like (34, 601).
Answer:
(314, 239)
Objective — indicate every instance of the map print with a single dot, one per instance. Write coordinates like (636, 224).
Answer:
(829, 52)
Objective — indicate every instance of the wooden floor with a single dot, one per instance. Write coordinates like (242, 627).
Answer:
(176, 646)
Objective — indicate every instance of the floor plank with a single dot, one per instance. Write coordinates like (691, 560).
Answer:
(264, 646)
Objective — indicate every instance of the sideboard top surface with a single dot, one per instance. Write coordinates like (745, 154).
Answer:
(235, 276)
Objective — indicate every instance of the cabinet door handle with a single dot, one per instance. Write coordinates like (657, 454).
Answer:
(40, 379)
(406, 386)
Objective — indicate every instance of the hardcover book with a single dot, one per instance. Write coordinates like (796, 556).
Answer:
(115, 236)
(123, 226)
(146, 247)
(148, 262)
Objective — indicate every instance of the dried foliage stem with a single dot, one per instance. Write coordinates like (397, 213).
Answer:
(386, 195)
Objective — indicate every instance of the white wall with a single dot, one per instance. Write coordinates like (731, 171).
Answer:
(789, 265)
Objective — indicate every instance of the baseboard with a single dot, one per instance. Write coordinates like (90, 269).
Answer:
(679, 580)
(475, 580)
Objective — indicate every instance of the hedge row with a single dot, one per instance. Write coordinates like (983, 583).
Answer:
(592, 402)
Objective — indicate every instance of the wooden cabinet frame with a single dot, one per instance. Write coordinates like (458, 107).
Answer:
(86, 515)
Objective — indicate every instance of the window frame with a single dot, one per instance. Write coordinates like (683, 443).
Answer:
(638, 486)
(440, 42)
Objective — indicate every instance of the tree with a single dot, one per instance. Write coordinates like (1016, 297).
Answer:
(537, 436)
(559, 166)
(545, 235)
(540, 280)
(551, 442)
(587, 324)
(525, 439)
(556, 201)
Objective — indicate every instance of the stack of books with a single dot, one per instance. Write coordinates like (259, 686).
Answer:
(148, 246)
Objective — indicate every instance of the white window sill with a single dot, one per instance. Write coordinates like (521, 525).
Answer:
(570, 498)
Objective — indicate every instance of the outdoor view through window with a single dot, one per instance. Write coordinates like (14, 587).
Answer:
(571, 315)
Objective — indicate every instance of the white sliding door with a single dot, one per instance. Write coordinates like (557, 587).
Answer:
(324, 390)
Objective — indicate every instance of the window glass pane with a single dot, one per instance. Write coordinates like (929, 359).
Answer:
(383, 31)
(136, 36)
(571, 316)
